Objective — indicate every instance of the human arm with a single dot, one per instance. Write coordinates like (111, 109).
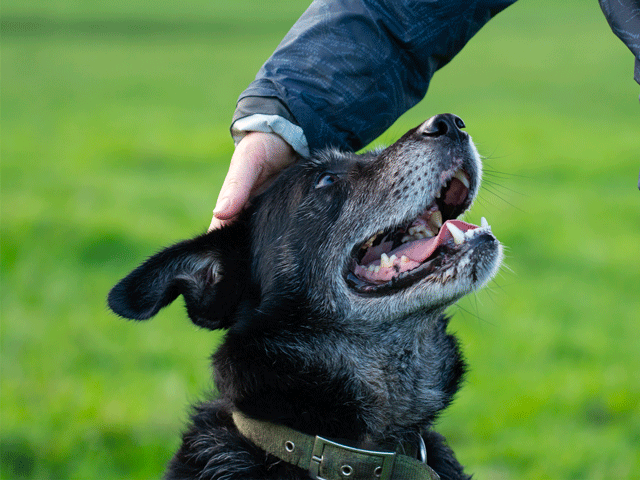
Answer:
(349, 68)
(624, 19)
(344, 73)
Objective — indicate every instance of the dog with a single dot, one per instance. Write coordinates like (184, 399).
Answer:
(332, 288)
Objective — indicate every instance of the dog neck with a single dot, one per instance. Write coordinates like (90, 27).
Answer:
(306, 379)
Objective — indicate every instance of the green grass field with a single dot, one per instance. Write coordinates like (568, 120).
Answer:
(115, 142)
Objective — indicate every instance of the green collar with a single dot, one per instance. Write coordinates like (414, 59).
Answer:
(329, 460)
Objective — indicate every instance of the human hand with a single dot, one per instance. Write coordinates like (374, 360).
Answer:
(258, 157)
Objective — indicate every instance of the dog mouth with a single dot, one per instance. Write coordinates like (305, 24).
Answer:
(399, 256)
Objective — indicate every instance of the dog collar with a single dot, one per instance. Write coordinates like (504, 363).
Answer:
(326, 459)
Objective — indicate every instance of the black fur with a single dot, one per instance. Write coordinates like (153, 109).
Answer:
(306, 346)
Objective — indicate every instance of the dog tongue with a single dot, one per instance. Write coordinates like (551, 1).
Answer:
(415, 253)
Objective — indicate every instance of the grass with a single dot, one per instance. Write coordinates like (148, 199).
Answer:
(115, 142)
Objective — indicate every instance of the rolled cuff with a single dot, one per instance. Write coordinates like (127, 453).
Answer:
(291, 133)
(269, 115)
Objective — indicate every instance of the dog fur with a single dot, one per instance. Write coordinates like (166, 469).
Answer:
(309, 344)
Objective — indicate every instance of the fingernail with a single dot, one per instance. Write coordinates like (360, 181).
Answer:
(221, 205)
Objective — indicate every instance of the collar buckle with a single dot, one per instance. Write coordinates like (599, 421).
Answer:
(341, 462)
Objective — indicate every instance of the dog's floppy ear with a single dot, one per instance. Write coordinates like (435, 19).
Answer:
(206, 271)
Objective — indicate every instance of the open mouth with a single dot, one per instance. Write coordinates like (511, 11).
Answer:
(401, 255)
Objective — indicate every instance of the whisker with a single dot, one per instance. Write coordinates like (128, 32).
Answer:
(498, 195)
(499, 186)
(465, 310)
(500, 173)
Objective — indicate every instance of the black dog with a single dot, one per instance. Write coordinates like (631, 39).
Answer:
(332, 286)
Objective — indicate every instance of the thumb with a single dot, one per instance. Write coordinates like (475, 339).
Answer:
(257, 157)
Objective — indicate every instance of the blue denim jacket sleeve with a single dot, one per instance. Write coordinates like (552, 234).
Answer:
(349, 68)
(624, 19)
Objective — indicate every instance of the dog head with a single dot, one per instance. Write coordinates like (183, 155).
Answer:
(332, 286)
(372, 236)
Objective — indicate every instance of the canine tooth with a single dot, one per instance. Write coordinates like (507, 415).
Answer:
(460, 175)
(436, 219)
(483, 222)
(456, 233)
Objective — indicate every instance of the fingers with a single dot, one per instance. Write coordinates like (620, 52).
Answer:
(244, 171)
(258, 157)
(216, 223)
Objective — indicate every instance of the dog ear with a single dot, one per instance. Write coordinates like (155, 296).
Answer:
(198, 269)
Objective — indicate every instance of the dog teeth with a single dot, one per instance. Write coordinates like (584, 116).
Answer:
(369, 243)
(456, 233)
(435, 220)
(418, 232)
(460, 175)
(424, 229)
(385, 261)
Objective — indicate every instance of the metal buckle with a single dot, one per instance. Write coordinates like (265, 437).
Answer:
(385, 469)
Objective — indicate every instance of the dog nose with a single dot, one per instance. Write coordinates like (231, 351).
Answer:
(445, 124)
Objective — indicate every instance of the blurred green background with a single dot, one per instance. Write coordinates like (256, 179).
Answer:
(115, 142)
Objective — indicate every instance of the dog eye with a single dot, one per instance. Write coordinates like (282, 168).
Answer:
(326, 179)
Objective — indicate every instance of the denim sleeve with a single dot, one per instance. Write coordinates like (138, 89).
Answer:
(624, 19)
(349, 68)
